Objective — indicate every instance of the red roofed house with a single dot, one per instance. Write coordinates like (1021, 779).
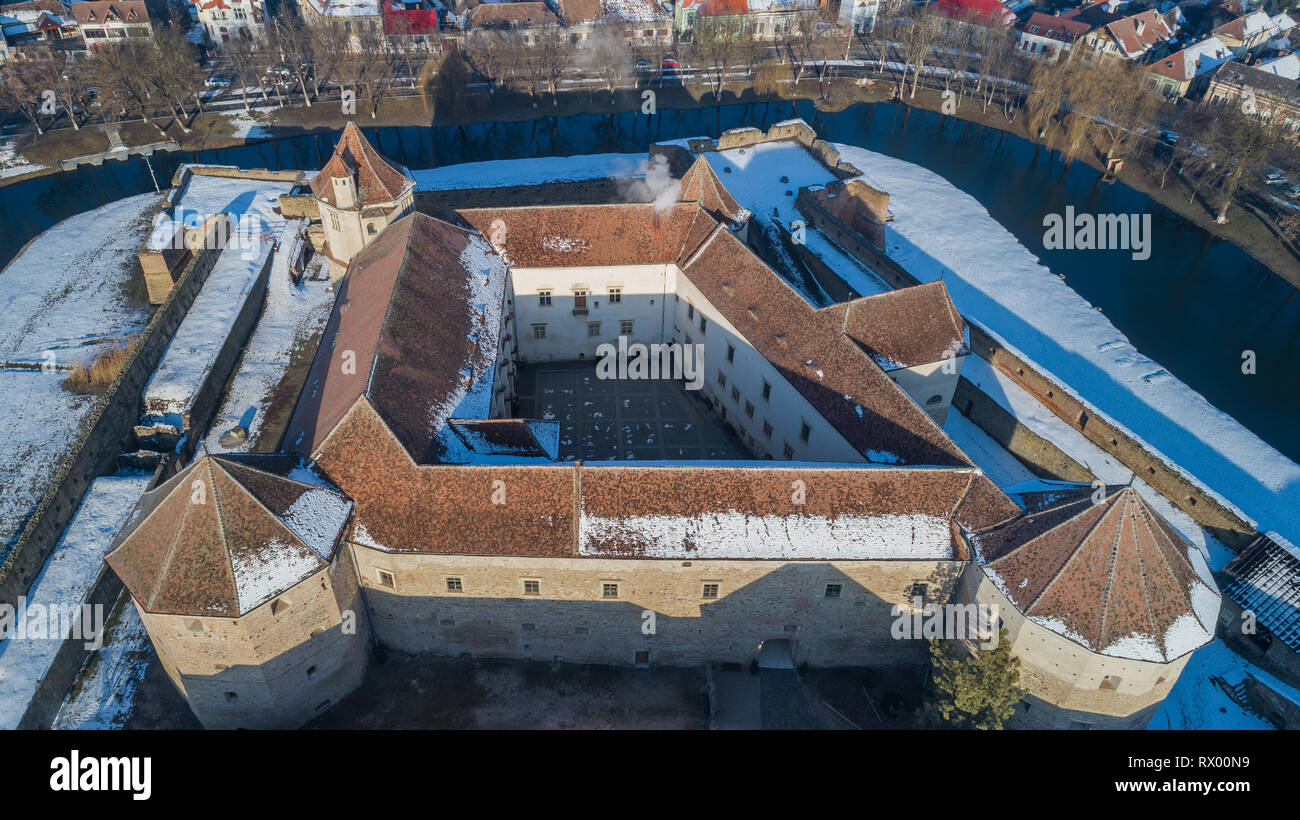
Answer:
(359, 193)
(111, 21)
(1048, 36)
(410, 18)
(226, 20)
(1135, 37)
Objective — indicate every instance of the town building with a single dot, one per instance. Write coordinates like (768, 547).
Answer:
(434, 495)
(225, 20)
(640, 24)
(860, 15)
(1049, 36)
(1187, 73)
(764, 19)
(1271, 97)
(111, 21)
(1261, 610)
(359, 193)
(1251, 32)
(1136, 37)
(520, 16)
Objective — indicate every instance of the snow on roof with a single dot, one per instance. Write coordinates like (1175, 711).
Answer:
(1195, 60)
(790, 537)
(1288, 66)
(1055, 328)
(346, 8)
(533, 171)
(1265, 579)
(62, 584)
(1112, 575)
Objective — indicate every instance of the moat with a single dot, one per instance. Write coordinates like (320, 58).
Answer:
(1195, 306)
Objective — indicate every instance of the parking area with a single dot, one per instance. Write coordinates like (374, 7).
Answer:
(623, 419)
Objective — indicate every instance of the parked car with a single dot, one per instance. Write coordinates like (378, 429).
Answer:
(668, 62)
(642, 66)
(217, 82)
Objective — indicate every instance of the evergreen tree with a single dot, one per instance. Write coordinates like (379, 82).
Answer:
(972, 691)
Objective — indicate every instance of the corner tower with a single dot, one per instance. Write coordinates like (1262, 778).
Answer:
(255, 611)
(359, 193)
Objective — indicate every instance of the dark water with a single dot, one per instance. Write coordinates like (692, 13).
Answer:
(1194, 306)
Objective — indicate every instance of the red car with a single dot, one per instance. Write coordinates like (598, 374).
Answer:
(668, 62)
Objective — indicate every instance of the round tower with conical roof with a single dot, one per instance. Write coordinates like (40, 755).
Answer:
(237, 569)
(1102, 599)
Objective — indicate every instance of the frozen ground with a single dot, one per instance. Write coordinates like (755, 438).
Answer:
(1000, 284)
(62, 585)
(293, 315)
(13, 165)
(1196, 702)
(196, 343)
(61, 300)
(104, 693)
(753, 176)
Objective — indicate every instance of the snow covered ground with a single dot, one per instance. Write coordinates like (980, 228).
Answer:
(535, 171)
(1000, 284)
(1005, 469)
(293, 314)
(249, 125)
(13, 165)
(1196, 702)
(199, 339)
(104, 693)
(754, 177)
(62, 584)
(61, 300)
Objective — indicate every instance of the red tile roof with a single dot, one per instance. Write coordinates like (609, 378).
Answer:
(1139, 33)
(378, 179)
(1112, 576)
(419, 312)
(702, 186)
(96, 12)
(1054, 27)
(222, 537)
(906, 327)
(500, 15)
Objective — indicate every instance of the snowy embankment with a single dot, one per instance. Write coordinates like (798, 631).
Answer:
(998, 283)
(1196, 702)
(193, 350)
(62, 300)
(12, 164)
(105, 690)
(754, 176)
(60, 588)
(535, 171)
(294, 315)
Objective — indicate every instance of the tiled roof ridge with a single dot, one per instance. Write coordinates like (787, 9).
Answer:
(171, 549)
(388, 308)
(1132, 510)
(1030, 517)
(1111, 564)
(1074, 553)
(708, 240)
(228, 562)
(1157, 533)
(298, 540)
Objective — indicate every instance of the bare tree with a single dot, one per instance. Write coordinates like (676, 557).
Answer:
(1046, 96)
(491, 56)
(1125, 105)
(715, 49)
(292, 38)
(994, 47)
(1239, 145)
(552, 51)
(918, 37)
(239, 53)
(607, 57)
(22, 89)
